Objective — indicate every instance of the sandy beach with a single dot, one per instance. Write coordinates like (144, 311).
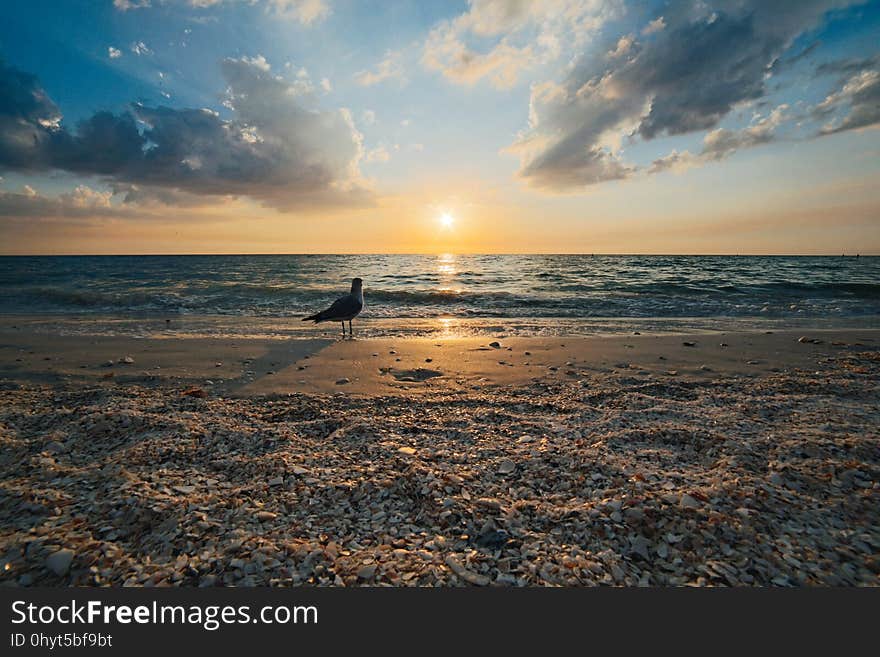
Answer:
(747, 458)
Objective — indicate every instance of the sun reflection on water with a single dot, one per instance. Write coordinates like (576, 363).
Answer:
(448, 327)
(446, 271)
(446, 265)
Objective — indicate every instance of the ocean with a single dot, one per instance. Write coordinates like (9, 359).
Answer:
(417, 293)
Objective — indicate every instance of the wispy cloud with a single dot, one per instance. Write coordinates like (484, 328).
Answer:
(389, 68)
(855, 105)
(520, 35)
(82, 201)
(722, 143)
(125, 5)
(140, 48)
(378, 154)
(306, 12)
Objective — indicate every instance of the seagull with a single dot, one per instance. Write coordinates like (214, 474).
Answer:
(344, 309)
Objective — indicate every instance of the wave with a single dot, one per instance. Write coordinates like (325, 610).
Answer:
(412, 286)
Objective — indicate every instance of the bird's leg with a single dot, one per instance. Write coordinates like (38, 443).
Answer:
(350, 332)
(343, 330)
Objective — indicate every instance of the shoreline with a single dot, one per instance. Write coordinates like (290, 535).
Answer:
(162, 326)
(377, 366)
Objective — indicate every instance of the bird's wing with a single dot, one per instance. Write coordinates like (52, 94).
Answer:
(343, 307)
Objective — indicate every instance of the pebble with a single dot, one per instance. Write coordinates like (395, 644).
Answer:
(467, 575)
(265, 515)
(408, 451)
(59, 562)
(276, 481)
(689, 344)
(689, 502)
(506, 466)
(489, 503)
(495, 345)
(367, 572)
(344, 380)
(127, 360)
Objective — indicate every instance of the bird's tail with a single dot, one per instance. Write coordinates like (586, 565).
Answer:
(314, 318)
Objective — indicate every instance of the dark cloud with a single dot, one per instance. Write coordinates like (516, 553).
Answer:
(277, 148)
(698, 73)
(146, 196)
(27, 117)
(709, 57)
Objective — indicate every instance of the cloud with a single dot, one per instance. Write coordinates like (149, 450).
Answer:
(125, 5)
(654, 26)
(709, 58)
(277, 148)
(389, 68)
(148, 197)
(368, 117)
(378, 154)
(307, 12)
(502, 65)
(855, 105)
(721, 143)
(113, 53)
(140, 48)
(83, 201)
(499, 39)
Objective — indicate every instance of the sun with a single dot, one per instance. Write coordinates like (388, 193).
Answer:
(447, 220)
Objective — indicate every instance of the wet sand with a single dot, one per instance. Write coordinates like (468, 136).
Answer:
(627, 460)
(379, 366)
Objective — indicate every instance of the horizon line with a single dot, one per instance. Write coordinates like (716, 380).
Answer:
(438, 253)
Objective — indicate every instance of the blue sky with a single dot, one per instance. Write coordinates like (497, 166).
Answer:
(585, 125)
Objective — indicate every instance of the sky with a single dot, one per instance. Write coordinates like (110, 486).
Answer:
(489, 126)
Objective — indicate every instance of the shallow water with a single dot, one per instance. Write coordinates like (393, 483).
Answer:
(519, 293)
